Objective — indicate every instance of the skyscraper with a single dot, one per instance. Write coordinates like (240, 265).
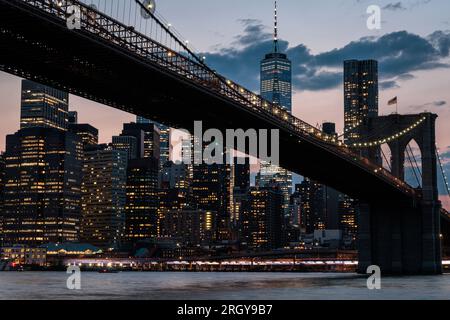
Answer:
(164, 139)
(212, 190)
(360, 95)
(2, 193)
(128, 144)
(269, 175)
(276, 87)
(263, 218)
(42, 106)
(241, 174)
(192, 227)
(348, 217)
(42, 191)
(104, 196)
(276, 74)
(141, 210)
(147, 138)
(87, 133)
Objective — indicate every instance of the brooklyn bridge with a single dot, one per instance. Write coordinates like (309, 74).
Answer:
(130, 59)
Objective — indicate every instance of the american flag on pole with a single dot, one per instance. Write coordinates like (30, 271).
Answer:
(393, 101)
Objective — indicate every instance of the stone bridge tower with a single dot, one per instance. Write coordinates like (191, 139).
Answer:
(410, 235)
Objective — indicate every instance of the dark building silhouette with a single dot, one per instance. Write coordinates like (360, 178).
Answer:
(42, 106)
(141, 210)
(262, 220)
(42, 193)
(147, 138)
(242, 173)
(72, 117)
(360, 95)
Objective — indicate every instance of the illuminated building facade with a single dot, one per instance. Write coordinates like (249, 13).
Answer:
(104, 196)
(164, 139)
(241, 176)
(348, 217)
(276, 74)
(212, 190)
(42, 190)
(262, 220)
(360, 95)
(191, 227)
(128, 144)
(147, 136)
(269, 174)
(276, 87)
(2, 193)
(42, 106)
(87, 133)
(176, 175)
(141, 210)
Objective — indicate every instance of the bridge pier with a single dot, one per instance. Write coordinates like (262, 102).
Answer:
(400, 240)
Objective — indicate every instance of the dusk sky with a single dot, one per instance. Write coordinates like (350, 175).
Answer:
(412, 47)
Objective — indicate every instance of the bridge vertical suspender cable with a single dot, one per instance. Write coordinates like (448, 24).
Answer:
(439, 159)
(415, 160)
(386, 159)
(413, 167)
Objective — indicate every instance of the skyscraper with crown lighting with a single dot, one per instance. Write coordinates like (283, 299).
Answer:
(276, 87)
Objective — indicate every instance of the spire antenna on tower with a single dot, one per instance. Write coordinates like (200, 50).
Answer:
(275, 34)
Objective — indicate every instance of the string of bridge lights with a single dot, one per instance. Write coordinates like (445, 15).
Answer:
(388, 139)
(442, 170)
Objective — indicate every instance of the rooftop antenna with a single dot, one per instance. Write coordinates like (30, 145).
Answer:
(275, 34)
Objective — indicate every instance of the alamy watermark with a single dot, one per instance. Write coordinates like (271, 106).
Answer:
(374, 281)
(374, 20)
(215, 146)
(74, 280)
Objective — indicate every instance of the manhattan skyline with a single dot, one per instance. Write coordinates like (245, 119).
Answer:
(413, 57)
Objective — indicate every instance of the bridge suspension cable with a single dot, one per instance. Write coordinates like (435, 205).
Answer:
(123, 29)
(413, 166)
(381, 141)
(444, 176)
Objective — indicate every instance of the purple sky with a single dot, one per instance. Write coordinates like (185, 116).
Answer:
(412, 48)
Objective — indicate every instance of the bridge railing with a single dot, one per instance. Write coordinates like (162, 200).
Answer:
(176, 57)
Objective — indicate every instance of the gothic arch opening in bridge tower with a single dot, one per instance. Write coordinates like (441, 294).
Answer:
(413, 164)
(386, 157)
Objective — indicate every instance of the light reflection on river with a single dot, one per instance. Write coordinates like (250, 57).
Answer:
(213, 286)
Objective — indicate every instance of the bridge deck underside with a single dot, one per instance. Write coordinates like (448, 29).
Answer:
(43, 49)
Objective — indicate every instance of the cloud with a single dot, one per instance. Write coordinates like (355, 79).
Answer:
(399, 54)
(434, 104)
(394, 6)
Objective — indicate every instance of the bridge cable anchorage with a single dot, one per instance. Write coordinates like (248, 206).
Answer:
(439, 159)
(409, 156)
(381, 141)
